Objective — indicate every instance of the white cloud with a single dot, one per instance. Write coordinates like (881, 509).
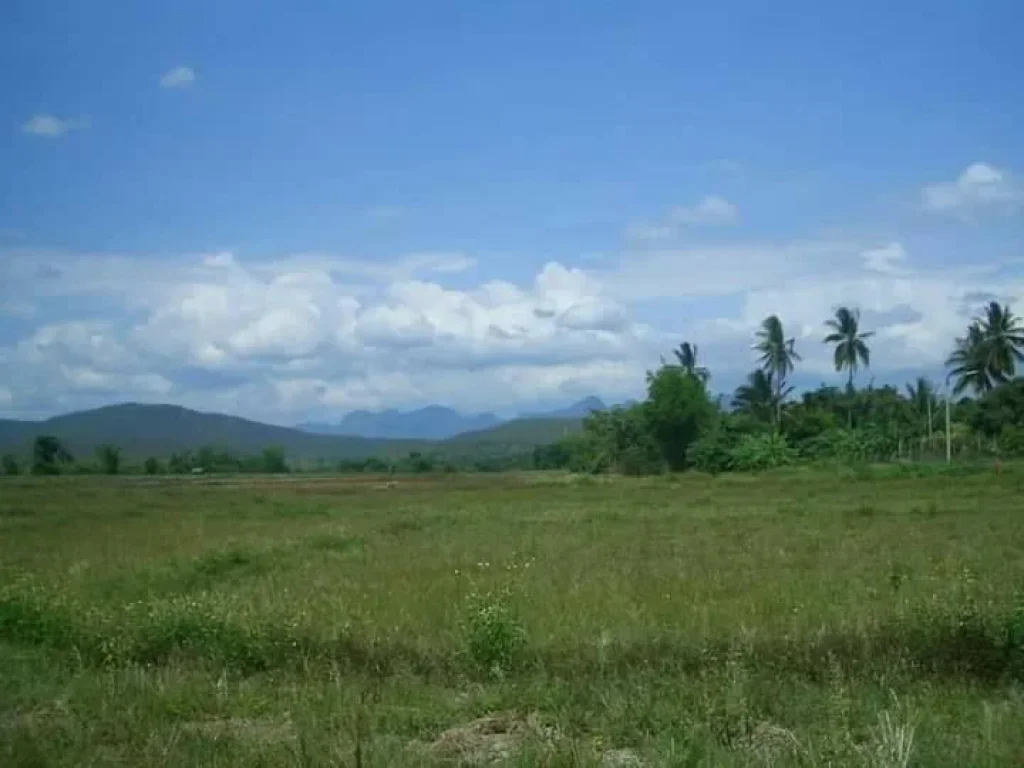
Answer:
(178, 77)
(979, 186)
(51, 127)
(711, 210)
(290, 335)
(887, 260)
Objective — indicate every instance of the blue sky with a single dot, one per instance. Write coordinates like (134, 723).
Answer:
(297, 211)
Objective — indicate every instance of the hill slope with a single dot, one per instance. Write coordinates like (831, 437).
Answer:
(434, 422)
(159, 430)
(521, 433)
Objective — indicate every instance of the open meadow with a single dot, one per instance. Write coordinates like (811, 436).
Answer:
(801, 618)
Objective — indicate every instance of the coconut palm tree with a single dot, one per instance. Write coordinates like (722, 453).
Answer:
(756, 398)
(851, 347)
(923, 401)
(970, 364)
(686, 355)
(1004, 337)
(777, 357)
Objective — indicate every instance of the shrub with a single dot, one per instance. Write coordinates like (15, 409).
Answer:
(712, 452)
(493, 634)
(1011, 441)
(10, 464)
(759, 452)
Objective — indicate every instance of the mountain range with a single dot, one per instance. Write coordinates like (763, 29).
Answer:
(436, 422)
(142, 430)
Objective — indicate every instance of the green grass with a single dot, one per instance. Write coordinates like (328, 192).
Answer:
(804, 617)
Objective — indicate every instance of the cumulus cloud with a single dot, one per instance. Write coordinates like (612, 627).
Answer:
(979, 186)
(178, 77)
(292, 335)
(48, 126)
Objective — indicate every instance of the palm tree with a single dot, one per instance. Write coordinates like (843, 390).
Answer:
(988, 355)
(851, 348)
(970, 363)
(777, 359)
(686, 355)
(1004, 336)
(756, 398)
(924, 401)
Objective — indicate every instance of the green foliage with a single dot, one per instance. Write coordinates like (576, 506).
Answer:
(712, 451)
(273, 461)
(778, 357)
(677, 409)
(49, 455)
(1011, 441)
(849, 445)
(109, 457)
(1000, 408)
(851, 349)
(987, 355)
(9, 464)
(619, 440)
(494, 636)
(151, 466)
(754, 453)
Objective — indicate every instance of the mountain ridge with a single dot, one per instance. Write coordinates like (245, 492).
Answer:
(435, 422)
(162, 429)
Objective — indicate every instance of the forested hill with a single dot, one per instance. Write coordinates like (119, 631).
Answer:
(160, 430)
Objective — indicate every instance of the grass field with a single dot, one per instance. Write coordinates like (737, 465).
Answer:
(805, 619)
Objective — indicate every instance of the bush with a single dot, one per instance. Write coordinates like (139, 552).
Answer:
(759, 452)
(151, 466)
(1011, 441)
(712, 452)
(10, 464)
(494, 636)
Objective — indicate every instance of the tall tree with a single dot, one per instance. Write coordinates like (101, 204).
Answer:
(1004, 338)
(686, 355)
(110, 459)
(677, 409)
(778, 357)
(970, 364)
(851, 349)
(48, 454)
(756, 398)
(988, 355)
(924, 402)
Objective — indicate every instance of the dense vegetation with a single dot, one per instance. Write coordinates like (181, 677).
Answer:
(680, 425)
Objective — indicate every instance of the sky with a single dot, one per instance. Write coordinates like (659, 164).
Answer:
(288, 211)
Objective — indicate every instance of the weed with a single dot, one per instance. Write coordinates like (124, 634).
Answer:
(493, 635)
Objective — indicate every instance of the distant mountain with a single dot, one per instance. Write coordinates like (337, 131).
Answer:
(159, 430)
(520, 434)
(577, 410)
(434, 422)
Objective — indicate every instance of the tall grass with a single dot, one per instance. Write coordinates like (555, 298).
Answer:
(690, 620)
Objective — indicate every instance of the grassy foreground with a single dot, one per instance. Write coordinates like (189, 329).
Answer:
(804, 619)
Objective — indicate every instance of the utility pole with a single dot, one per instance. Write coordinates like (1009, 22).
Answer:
(949, 443)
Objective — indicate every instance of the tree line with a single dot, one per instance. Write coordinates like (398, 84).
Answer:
(51, 457)
(681, 425)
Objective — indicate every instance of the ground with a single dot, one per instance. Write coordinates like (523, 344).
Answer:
(807, 618)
